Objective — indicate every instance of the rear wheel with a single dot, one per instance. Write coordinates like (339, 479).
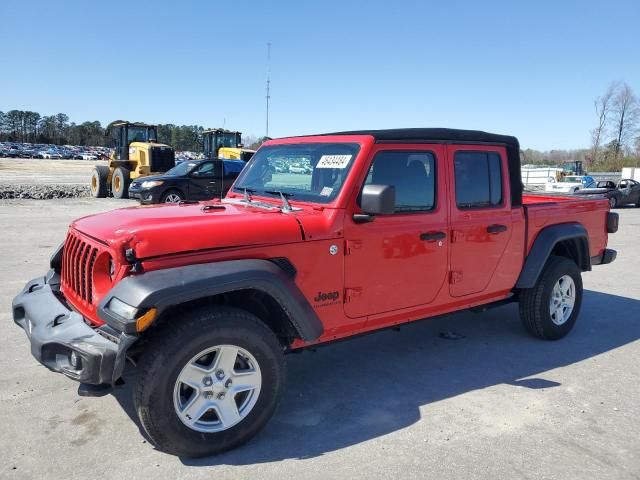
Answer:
(549, 309)
(120, 182)
(209, 381)
(172, 196)
(99, 186)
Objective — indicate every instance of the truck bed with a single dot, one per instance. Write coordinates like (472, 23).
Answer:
(542, 210)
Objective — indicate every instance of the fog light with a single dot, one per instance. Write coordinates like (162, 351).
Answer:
(74, 360)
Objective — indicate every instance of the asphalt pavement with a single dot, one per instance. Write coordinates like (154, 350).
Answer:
(488, 401)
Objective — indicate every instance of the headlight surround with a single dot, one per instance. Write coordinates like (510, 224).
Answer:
(123, 310)
(152, 183)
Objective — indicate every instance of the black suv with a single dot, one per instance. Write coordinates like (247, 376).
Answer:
(189, 180)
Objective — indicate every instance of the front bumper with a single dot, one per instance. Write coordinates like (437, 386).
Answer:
(56, 332)
(144, 195)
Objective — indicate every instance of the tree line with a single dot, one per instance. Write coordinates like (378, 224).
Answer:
(615, 140)
(31, 127)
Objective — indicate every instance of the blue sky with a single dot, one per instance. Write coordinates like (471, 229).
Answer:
(530, 69)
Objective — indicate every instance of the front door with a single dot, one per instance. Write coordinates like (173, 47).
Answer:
(400, 260)
(480, 215)
(630, 190)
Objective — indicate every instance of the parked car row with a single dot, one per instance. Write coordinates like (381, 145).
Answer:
(49, 151)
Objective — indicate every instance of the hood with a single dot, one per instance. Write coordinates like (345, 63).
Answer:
(152, 177)
(157, 230)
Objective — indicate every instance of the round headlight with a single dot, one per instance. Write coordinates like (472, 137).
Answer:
(104, 272)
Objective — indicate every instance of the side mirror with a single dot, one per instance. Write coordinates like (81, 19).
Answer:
(376, 200)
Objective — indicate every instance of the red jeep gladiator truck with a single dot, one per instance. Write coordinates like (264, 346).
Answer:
(321, 238)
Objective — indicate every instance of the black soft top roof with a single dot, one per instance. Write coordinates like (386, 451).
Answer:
(434, 135)
(452, 135)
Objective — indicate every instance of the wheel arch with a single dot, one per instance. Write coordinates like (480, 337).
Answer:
(569, 240)
(261, 287)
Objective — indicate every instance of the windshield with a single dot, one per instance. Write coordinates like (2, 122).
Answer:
(137, 134)
(181, 169)
(311, 172)
(227, 140)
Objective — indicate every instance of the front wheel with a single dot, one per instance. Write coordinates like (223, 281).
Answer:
(613, 202)
(209, 381)
(172, 196)
(549, 309)
(99, 178)
(120, 181)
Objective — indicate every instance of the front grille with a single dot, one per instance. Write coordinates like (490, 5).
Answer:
(78, 258)
(162, 159)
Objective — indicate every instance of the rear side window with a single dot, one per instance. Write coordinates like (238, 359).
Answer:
(478, 179)
(413, 175)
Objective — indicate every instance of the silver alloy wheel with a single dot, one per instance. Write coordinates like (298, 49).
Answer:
(217, 388)
(172, 198)
(563, 298)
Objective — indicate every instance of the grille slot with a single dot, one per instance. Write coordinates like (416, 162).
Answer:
(78, 258)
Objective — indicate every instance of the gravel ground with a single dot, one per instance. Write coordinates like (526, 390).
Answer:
(25, 178)
(494, 403)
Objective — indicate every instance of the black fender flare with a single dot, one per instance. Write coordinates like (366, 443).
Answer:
(166, 288)
(544, 244)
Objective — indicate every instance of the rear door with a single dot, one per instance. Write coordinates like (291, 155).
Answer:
(400, 260)
(480, 215)
(204, 181)
(231, 170)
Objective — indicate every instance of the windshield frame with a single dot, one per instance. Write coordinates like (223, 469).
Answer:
(293, 194)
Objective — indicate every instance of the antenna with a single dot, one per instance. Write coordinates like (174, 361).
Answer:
(268, 83)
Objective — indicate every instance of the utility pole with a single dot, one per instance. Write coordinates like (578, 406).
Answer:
(268, 83)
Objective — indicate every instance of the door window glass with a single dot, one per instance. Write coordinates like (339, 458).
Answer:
(478, 177)
(208, 169)
(412, 174)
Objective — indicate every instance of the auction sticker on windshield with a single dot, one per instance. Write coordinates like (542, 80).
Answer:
(334, 161)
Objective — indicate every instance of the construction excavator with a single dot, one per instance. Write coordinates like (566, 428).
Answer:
(137, 154)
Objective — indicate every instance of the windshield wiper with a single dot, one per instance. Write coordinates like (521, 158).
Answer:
(286, 206)
(246, 193)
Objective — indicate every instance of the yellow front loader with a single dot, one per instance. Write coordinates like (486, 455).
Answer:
(225, 144)
(137, 154)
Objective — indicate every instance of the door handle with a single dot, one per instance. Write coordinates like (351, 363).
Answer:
(495, 229)
(433, 236)
(212, 183)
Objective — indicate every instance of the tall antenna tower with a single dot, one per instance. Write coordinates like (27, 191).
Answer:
(268, 83)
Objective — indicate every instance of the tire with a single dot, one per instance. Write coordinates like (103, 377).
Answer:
(99, 186)
(613, 202)
(120, 181)
(536, 302)
(174, 347)
(172, 196)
